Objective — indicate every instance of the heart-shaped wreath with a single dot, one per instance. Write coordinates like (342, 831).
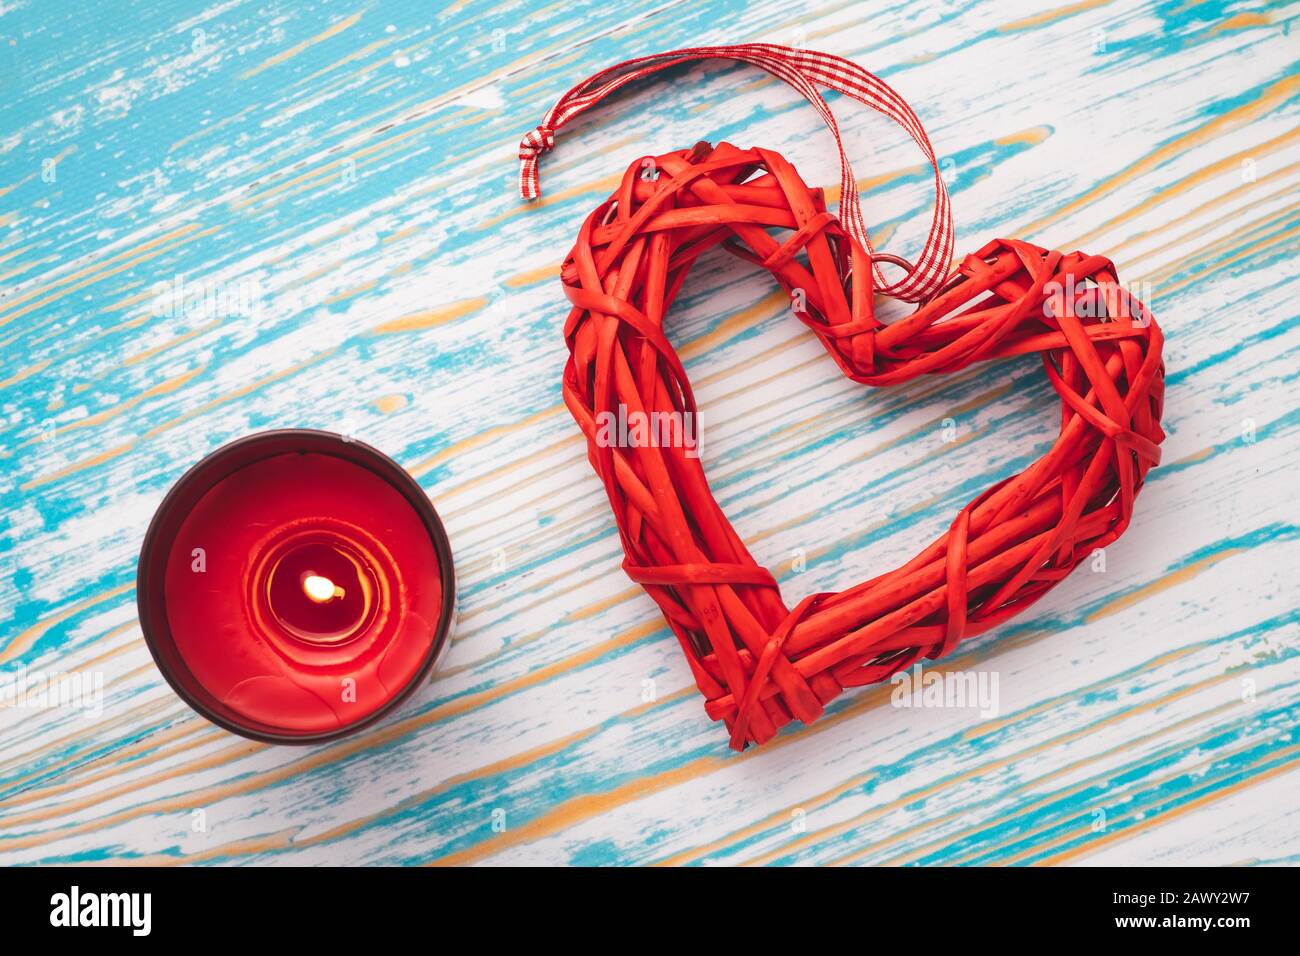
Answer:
(758, 663)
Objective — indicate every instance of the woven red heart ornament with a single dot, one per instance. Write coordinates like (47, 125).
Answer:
(758, 663)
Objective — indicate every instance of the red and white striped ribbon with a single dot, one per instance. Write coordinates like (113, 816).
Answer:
(804, 70)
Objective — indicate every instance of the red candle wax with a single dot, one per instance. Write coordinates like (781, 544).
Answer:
(294, 586)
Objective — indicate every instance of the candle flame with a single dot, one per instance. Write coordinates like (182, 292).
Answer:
(320, 589)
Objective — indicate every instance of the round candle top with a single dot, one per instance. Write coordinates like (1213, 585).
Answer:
(292, 587)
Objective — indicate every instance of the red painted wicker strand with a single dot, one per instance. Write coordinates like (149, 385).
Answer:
(758, 663)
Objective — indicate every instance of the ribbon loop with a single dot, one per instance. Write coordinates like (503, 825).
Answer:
(805, 71)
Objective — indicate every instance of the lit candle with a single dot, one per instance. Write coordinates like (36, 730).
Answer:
(294, 586)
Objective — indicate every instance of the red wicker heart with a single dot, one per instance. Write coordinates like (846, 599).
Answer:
(758, 663)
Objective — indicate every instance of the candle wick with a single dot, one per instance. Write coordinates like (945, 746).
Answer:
(319, 588)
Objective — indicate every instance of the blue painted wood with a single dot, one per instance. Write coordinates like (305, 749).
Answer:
(332, 186)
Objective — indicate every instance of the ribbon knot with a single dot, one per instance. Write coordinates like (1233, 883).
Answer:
(534, 144)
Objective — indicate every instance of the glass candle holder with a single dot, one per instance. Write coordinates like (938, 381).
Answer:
(294, 586)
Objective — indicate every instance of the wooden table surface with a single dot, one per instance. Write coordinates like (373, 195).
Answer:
(333, 184)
